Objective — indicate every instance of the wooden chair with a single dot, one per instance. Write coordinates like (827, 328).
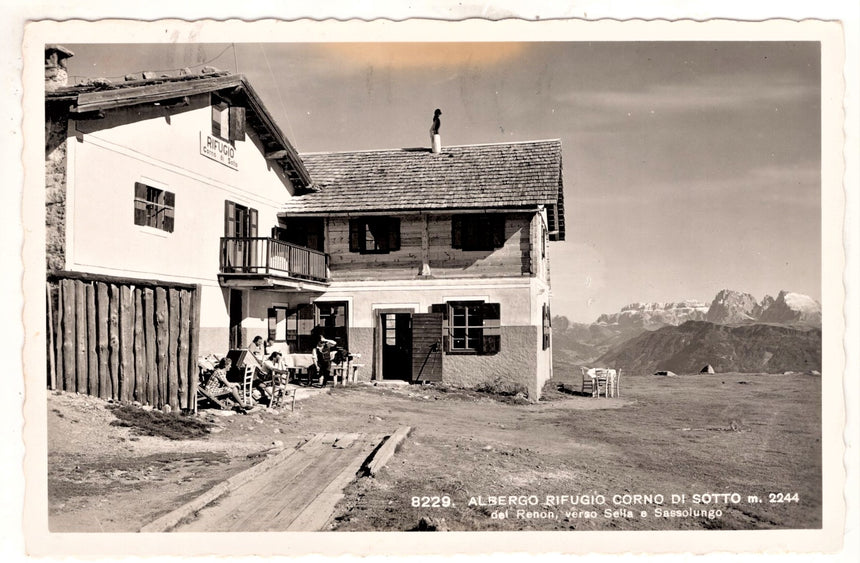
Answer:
(280, 393)
(248, 385)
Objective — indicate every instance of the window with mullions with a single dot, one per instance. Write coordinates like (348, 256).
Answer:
(471, 327)
(374, 235)
(153, 207)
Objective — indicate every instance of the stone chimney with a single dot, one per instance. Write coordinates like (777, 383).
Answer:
(435, 137)
(55, 67)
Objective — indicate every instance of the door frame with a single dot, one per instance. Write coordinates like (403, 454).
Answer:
(378, 335)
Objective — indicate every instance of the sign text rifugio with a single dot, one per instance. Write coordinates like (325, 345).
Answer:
(218, 150)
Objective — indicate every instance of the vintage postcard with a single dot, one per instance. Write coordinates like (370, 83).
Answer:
(532, 286)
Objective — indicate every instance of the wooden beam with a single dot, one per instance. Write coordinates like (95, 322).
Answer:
(137, 386)
(150, 93)
(151, 352)
(69, 354)
(80, 337)
(114, 340)
(277, 155)
(194, 344)
(173, 307)
(185, 366)
(128, 343)
(63, 274)
(50, 329)
(92, 355)
(58, 335)
(102, 321)
(162, 330)
(386, 450)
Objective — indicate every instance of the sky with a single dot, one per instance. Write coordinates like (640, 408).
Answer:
(689, 167)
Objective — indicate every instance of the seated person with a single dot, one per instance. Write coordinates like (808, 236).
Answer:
(217, 382)
(256, 348)
(274, 367)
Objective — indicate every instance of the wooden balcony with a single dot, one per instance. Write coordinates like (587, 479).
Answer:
(260, 262)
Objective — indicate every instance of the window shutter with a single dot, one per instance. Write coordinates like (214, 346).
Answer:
(140, 190)
(252, 222)
(497, 224)
(168, 219)
(273, 323)
(355, 235)
(491, 339)
(216, 121)
(139, 213)
(456, 232)
(237, 124)
(229, 219)
(393, 234)
(442, 308)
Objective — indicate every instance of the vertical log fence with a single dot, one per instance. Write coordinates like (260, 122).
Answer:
(122, 339)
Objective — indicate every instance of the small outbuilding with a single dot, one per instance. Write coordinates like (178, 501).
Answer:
(666, 373)
(707, 369)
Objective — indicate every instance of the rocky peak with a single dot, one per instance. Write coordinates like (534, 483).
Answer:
(791, 307)
(732, 307)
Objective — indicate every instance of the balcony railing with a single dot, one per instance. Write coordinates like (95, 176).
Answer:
(267, 256)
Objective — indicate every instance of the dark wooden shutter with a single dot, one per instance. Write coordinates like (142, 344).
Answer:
(456, 231)
(139, 206)
(497, 224)
(216, 121)
(426, 347)
(355, 228)
(442, 309)
(273, 323)
(169, 206)
(237, 124)
(229, 219)
(393, 234)
(491, 339)
(252, 223)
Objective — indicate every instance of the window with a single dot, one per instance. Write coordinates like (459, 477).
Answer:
(295, 326)
(239, 221)
(228, 122)
(153, 207)
(302, 231)
(471, 327)
(374, 235)
(478, 232)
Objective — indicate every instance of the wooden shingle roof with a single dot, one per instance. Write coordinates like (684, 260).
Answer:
(520, 175)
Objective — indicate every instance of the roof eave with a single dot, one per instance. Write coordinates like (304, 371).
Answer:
(87, 103)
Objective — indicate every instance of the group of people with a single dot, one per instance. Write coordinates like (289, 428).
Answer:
(271, 367)
(272, 360)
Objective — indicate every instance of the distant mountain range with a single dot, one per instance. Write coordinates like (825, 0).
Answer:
(734, 333)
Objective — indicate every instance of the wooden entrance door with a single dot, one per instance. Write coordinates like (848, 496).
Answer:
(396, 337)
(426, 347)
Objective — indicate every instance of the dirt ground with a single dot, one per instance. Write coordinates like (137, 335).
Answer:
(692, 435)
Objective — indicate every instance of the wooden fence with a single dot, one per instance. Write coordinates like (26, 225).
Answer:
(126, 340)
